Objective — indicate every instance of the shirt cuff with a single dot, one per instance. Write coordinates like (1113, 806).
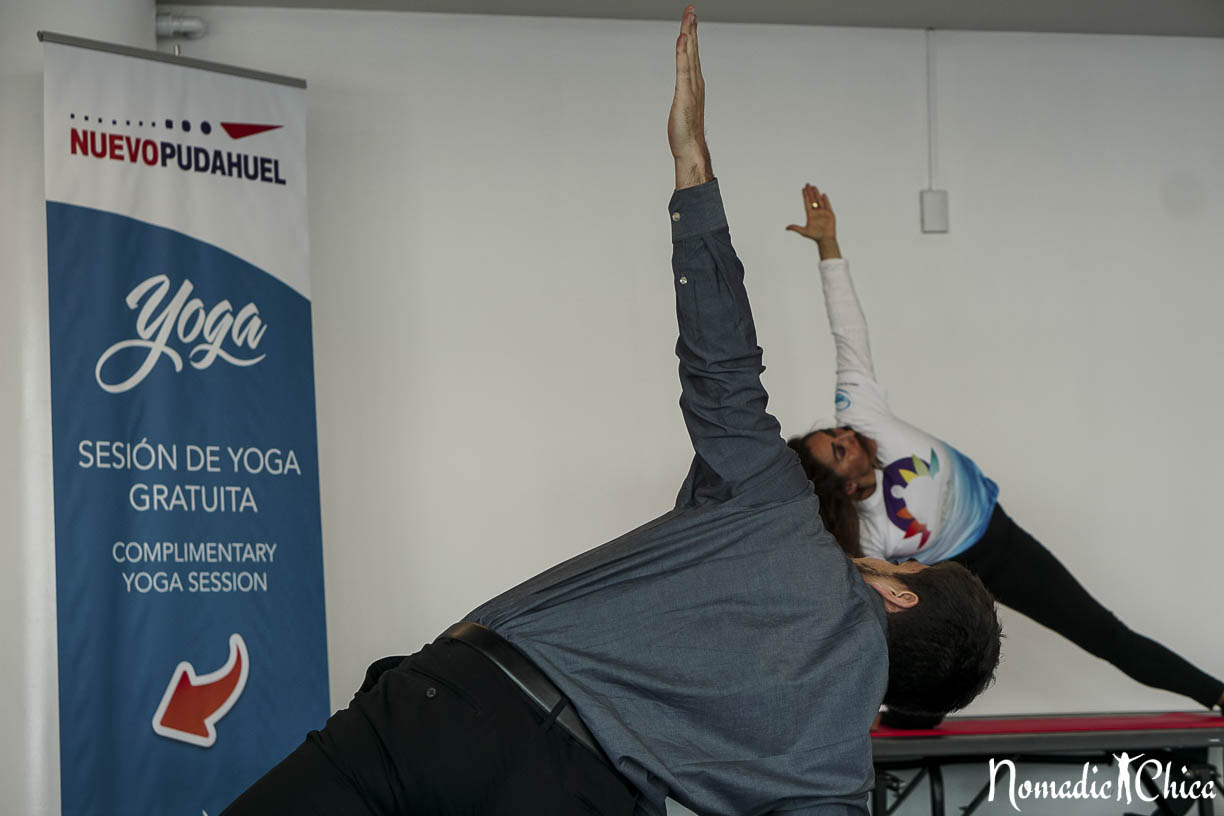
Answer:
(696, 210)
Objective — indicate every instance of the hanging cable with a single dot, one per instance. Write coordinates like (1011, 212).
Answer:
(930, 94)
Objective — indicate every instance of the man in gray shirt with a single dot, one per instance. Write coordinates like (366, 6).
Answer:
(727, 654)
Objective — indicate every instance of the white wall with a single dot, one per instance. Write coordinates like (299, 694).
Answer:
(494, 322)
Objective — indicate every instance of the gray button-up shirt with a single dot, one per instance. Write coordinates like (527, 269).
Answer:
(727, 653)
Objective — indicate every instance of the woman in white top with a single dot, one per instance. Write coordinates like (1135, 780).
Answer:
(890, 490)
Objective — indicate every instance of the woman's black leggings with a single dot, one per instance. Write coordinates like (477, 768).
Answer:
(1027, 577)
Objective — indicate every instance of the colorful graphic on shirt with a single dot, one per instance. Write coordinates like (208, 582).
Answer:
(898, 476)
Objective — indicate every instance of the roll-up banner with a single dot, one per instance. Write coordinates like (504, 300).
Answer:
(188, 551)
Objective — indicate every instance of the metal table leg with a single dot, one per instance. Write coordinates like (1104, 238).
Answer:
(935, 772)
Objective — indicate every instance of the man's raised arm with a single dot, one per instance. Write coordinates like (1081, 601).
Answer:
(740, 452)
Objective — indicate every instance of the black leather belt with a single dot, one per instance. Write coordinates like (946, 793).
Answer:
(527, 676)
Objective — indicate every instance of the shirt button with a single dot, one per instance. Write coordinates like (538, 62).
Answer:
(683, 280)
(675, 216)
(431, 692)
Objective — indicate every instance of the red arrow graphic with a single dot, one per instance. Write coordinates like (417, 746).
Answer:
(192, 704)
(241, 130)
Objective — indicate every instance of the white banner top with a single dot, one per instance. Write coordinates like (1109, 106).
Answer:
(125, 149)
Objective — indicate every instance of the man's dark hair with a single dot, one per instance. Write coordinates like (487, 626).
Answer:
(837, 509)
(904, 720)
(942, 652)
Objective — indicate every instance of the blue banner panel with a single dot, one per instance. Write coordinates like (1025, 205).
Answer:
(189, 572)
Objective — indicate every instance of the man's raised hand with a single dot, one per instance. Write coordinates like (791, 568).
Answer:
(686, 122)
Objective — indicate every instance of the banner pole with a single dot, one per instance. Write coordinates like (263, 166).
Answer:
(173, 59)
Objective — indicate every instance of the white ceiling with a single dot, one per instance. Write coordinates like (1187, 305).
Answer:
(1191, 18)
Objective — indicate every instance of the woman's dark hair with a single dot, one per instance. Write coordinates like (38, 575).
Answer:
(837, 509)
(942, 652)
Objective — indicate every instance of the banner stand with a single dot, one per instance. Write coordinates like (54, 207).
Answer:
(191, 627)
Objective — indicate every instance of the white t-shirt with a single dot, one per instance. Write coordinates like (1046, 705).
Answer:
(931, 502)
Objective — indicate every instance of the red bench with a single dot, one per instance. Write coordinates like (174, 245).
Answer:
(1180, 739)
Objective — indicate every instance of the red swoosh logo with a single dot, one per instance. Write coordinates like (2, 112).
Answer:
(192, 704)
(241, 130)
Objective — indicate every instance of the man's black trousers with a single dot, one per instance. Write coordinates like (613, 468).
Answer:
(443, 732)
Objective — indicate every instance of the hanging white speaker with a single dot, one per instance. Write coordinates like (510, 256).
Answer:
(933, 205)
